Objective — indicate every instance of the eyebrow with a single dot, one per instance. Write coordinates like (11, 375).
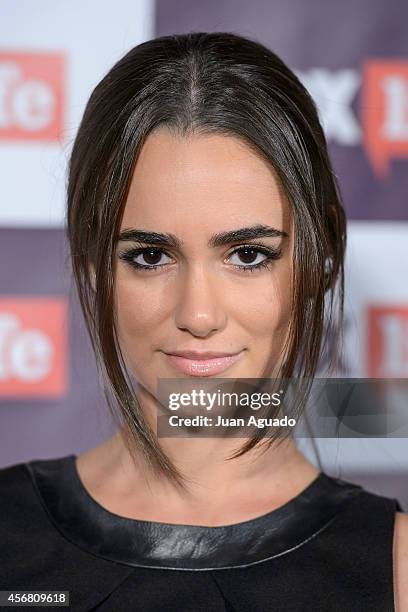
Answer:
(220, 239)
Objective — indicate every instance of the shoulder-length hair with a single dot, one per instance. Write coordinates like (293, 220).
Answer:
(202, 83)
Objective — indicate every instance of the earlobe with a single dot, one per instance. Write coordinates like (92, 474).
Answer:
(328, 272)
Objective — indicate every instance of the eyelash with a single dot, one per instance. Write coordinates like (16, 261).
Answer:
(272, 254)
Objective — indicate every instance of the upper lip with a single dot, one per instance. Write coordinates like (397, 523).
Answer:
(201, 354)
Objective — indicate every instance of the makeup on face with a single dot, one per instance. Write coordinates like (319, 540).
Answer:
(204, 261)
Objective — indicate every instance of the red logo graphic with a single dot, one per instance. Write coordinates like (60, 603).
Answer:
(384, 112)
(387, 345)
(31, 96)
(33, 347)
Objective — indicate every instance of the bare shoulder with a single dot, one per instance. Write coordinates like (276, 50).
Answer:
(401, 562)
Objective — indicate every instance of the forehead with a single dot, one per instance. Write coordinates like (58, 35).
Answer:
(209, 179)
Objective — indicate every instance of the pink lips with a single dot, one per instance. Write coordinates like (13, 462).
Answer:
(202, 365)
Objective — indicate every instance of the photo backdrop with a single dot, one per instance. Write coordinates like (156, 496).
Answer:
(353, 59)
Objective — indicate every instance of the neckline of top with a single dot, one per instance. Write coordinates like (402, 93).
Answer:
(153, 544)
(142, 522)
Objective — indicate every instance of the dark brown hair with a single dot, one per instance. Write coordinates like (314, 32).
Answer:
(202, 83)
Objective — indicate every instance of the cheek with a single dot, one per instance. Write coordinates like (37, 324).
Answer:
(138, 308)
(266, 308)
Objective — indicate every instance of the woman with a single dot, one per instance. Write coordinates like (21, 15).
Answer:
(207, 238)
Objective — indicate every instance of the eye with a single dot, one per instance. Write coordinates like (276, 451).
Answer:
(254, 257)
(147, 258)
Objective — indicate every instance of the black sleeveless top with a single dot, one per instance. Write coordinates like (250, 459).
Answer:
(328, 549)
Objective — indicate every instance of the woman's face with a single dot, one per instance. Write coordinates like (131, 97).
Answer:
(194, 296)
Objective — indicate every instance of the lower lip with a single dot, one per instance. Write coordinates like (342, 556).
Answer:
(203, 367)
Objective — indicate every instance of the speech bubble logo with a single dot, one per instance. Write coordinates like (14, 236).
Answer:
(384, 112)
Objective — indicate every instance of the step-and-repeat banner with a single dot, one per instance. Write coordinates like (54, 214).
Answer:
(353, 58)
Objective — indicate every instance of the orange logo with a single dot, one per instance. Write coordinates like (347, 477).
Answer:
(387, 344)
(384, 112)
(33, 347)
(31, 96)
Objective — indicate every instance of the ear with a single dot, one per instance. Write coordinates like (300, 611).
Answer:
(92, 276)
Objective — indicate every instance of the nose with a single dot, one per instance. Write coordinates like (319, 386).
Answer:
(199, 309)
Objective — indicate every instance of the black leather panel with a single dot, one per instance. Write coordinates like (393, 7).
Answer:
(141, 543)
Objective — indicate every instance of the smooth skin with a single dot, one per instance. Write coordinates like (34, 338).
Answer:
(198, 299)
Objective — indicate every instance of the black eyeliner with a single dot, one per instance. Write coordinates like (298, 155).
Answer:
(271, 253)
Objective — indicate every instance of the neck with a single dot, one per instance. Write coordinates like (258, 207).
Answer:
(265, 479)
(217, 489)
